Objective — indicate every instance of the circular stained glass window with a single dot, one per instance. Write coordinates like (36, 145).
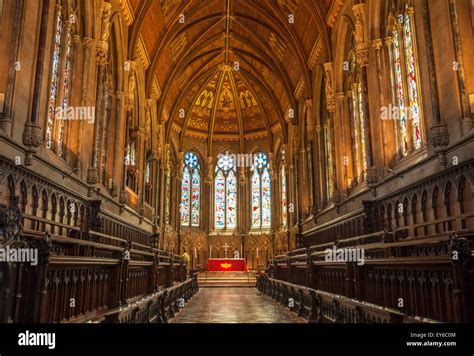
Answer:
(191, 160)
(261, 160)
(225, 162)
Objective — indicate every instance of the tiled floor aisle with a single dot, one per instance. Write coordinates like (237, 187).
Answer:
(234, 305)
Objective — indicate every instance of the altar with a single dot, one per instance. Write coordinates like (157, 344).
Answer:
(226, 265)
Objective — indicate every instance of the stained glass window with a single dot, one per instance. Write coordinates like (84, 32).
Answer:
(355, 131)
(220, 200)
(66, 90)
(328, 149)
(231, 215)
(406, 83)
(185, 196)
(196, 198)
(57, 106)
(53, 91)
(261, 193)
(190, 191)
(362, 134)
(266, 199)
(412, 81)
(400, 92)
(225, 193)
(256, 213)
(284, 206)
(168, 197)
(358, 136)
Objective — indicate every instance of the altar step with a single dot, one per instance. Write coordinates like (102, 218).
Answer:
(227, 279)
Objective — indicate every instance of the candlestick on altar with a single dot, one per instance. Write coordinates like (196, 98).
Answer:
(241, 251)
(257, 252)
(195, 252)
(210, 251)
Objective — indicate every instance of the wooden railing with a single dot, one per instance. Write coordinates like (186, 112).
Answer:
(429, 276)
(158, 307)
(81, 274)
(322, 307)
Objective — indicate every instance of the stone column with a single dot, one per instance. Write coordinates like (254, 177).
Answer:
(317, 205)
(209, 223)
(147, 152)
(6, 122)
(93, 171)
(102, 54)
(130, 104)
(330, 125)
(310, 147)
(377, 45)
(177, 198)
(119, 140)
(69, 138)
(466, 120)
(161, 209)
(243, 201)
(86, 43)
(439, 135)
(32, 133)
(342, 147)
(348, 132)
(292, 186)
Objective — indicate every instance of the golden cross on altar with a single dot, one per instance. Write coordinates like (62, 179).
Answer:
(226, 247)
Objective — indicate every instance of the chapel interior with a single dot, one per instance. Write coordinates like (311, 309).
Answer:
(148, 147)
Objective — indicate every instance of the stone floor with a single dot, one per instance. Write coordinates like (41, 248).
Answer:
(234, 305)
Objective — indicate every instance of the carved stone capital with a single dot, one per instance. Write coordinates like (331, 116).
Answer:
(372, 176)
(439, 139)
(336, 197)
(67, 26)
(439, 136)
(362, 54)
(76, 39)
(331, 104)
(341, 96)
(120, 95)
(102, 52)
(377, 44)
(87, 42)
(124, 197)
(388, 41)
(92, 176)
(32, 136)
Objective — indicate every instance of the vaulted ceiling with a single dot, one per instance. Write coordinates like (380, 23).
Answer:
(229, 69)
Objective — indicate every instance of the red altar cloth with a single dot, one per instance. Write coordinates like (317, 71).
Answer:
(226, 264)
